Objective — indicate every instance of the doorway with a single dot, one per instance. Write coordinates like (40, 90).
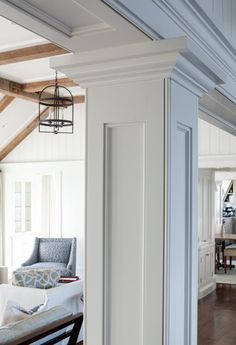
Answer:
(216, 214)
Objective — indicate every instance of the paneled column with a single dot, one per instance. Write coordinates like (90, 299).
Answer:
(141, 231)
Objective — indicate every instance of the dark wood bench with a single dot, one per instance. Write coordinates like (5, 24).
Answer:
(75, 321)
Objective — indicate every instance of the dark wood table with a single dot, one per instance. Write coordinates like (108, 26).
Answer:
(223, 238)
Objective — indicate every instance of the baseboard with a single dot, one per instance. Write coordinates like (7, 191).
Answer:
(206, 290)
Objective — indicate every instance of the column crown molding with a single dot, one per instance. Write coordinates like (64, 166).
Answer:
(171, 58)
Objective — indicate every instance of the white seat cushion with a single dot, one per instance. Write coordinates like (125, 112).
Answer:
(28, 326)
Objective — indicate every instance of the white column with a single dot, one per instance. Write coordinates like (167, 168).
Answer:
(141, 233)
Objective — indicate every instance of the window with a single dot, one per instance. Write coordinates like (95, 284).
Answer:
(22, 206)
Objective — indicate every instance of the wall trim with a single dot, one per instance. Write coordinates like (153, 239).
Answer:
(142, 61)
(206, 290)
(135, 20)
(95, 28)
(216, 120)
(16, 165)
(165, 19)
(40, 15)
(217, 161)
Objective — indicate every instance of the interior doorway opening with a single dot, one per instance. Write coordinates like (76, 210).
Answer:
(42, 183)
(216, 233)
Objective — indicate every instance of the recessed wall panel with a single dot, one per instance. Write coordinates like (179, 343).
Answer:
(124, 233)
(180, 241)
(182, 251)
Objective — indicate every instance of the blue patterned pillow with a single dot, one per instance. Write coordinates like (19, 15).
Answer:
(42, 279)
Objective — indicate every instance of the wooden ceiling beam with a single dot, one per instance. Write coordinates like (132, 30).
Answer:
(31, 53)
(14, 89)
(79, 99)
(5, 101)
(39, 85)
(22, 134)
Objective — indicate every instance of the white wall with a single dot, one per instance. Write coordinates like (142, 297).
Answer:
(215, 141)
(50, 147)
(205, 205)
(14, 117)
(216, 148)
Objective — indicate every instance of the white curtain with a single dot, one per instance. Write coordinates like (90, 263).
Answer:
(1, 221)
(48, 207)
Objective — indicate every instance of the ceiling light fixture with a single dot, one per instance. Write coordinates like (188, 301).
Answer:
(61, 109)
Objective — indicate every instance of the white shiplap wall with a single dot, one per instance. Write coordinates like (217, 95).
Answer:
(50, 147)
(222, 13)
(214, 141)
(17, 115)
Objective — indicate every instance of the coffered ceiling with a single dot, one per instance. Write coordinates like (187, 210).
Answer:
(74, 24)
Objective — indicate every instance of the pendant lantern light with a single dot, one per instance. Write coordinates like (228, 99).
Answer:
(61, 109)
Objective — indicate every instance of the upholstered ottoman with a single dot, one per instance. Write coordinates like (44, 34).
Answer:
(36, 278)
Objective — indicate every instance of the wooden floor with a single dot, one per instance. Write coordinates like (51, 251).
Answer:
(217, 317)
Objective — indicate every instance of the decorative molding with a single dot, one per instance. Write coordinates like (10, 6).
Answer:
(90, 29)
(107, 27)
(217, 161)
(219, 110)
(216, 120)
(20, 17)
(181, 153)
(207, 289)
(188, 135)
(191, 77)
(210, 25)
(206, 246)
(135, 20)
(139, 61)
(176, 18)
(108, 274)
(228, 90)
(35, 12)
(142, 61)
(209, 21)
(186, 132)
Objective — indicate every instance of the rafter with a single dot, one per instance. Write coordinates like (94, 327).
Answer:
(22, 134)
(39, 85)
(5, 101)
(31, 53)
